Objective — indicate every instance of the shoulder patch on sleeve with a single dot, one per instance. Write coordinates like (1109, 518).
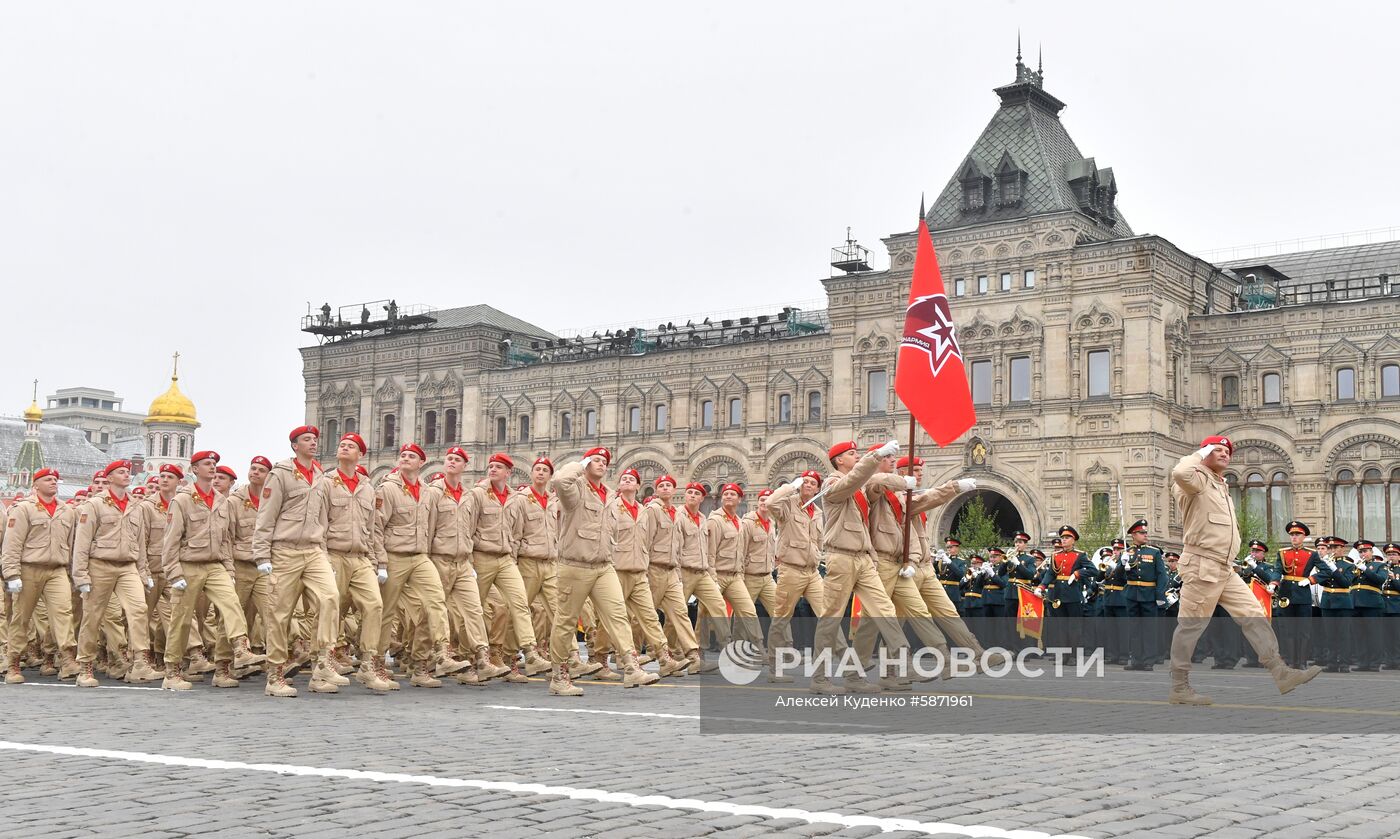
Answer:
(11, 523)
(267, 492)
(82, 519)
(378, 503)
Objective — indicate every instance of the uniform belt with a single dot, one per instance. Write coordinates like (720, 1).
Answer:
(1063, 578)
(758, 573)
(1389, 593)
(579, 563)
(1151, 583)
(991, 588)
(1367, 588)
(1337, 590)
(1113, 588)
(1289, 579)
(971, 594)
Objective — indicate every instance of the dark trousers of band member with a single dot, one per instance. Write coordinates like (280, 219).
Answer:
(996, 626)
(1295, 630)
(1335, 637)
(1142, 632)
(1114, 636)
(1224, 639)
(1390, 629)
(1368, 636)
(1065, 633)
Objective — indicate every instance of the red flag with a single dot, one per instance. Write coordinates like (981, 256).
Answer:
(930, 379)
(1030, 613)
(1261, 593)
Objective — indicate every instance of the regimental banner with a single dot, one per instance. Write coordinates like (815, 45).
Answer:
(1261, 593)
(1030, 613)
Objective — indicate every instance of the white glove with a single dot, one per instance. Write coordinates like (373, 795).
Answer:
(890, 448)
(1206, 450)
(1250, 562)
(1161, 603)
(180, 584)
(13, 586)
(1272, 587)
(911, 482)
(150, 584)
(966, 484)
(264, 567)
(906, 572)
(796, 483)
(84, 588)
(1040, 591)
(586, 461)
(383, 576)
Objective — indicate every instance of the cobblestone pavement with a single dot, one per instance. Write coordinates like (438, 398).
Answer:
(169, 765)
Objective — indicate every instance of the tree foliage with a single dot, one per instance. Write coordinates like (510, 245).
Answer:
(977, 529)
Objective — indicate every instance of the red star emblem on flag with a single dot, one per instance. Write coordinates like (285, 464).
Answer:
(928, 326)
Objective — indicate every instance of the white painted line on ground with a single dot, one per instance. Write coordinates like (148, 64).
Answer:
(685, 716)
(577, 793)
(99, 687)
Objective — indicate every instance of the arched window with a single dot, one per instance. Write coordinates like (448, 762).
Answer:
(566, 425)
(634, 419)
(449, 434)
(1229, 391)
(661, 415)
(785, 408)
(1373, 506)
(390, 432)
(500, 430)
(736, 413)
(1390, 381)
(151, 446)
(352, 424)
(1280, 505)
(1346, 383)
(1256, 498)
(1346, 503)
(707, 414)
(590, 423)
(183, 442)
(333, 430)
(165, 445)
(1273, 388)
(524, 428)
(430, 429)
(814, 406)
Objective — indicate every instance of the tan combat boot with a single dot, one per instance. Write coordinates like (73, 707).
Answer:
(68, 665)
(1287, 678)
(823, 686)
(469, 678)
(85, 677)
(446, 665)
(633, 674)
(199, 663)
(243, 655)
(48, 667)
(319, 683)
(174, 679)
(300, 657)
(1182, 693)
(367, 676)
(516, 677)
(560, 684)
(858, 684)
(535, 664)
(141, 669)
(579, 668)
(331, 672)
(672, 666)
(277, 683)
(485, 668)
(644, 659)
(699, 665)
(423, 678)
(223, 675)
(118, 664)
(13, 676)
(382, 671)
(606, 673)
(340, 659)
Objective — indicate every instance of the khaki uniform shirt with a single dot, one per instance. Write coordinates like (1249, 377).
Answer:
(757, 544)
(534, 527)
(33, 537)
(490, 531)
(629, 541)
(583, 536)
(405, 524)
(242, 520)
(157, 512)
(196, 533)
(288, 517)
(690, 541)
(659, 531)
(887, 519)
(846, 530)
(347, 518)
(105, 531)
(799, 528)
(452, 521)
(1210, 533)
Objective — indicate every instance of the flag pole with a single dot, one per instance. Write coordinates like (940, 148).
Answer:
(909, 491)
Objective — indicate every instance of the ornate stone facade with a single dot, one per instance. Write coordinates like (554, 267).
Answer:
(1097, 357)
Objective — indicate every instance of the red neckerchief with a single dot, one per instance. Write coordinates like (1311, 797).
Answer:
(412, 489)
(923, 518)
(50, 507)
(454, 491)
(672, 511)
(502, 496)
(864, 506)
(601, 490)
(732, 520)
(811, 510)
(630, 508)
(207, 499)
(764, 522)
(120, 502)
(694, 517)
(350, 481)
(308, 474)
(542, 499)
(1066, 568)
(254, 498)
(894, 505)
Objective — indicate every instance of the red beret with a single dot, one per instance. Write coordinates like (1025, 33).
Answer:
(415, 448)
(172, 469)
(734, 488)
(764, 493)
(698, 487)
(636, 476)
(152, 478)
(356, 439)
(138, 490)
(115, 465)
(82, 493)
(546, 461)
(501, 458)
(814, 475)
(227, 470)
(460, 452)
(904, 462)
(45, 472)
(435, 476)
(100, 473)
(600, 452)
(303, 429)
(661, 479)
(840, 449)
(202, 455)
(261, 461)
(1219, 441)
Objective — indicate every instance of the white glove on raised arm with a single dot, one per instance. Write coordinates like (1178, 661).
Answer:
(911, 482)
(1205, 450)
(796, 483)
(966, 484)
(890, 448)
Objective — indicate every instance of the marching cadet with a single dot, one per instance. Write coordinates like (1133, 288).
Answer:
(1145, 594)
(725, 561)
(224, 479)
(494, 564)
(950, 572)
(405, 522)
(658, 524)
(850, 562)
(450, 552)
(798, 555)
(1392, 607)
(1296, 564)
(1212, 536)
(253, 589)
(759, 549)
(698, 579)
(347, 517)
(156, 512)
(533, 517)
(994, 597)
(1335, 575)
(37, 542)
(585, 572)
(1065, 576)
(629, 556)
(288, 545)
(198, 562)
(1368, 606)
(109, 562)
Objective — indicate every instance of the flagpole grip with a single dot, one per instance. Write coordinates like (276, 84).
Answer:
(909, 492)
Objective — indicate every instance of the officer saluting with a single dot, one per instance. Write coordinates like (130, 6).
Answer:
(1146, 593)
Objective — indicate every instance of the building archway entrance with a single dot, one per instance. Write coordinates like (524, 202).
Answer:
(1003, 512)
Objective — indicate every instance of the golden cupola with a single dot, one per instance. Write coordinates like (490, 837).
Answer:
(173, 406)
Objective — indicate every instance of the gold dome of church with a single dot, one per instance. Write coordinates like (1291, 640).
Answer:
(34, 413)
(172, 406)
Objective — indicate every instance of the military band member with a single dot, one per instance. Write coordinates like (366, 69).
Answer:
(198, 564)
(658, 524)
(950, 572)
(37, 543)
(1335, 576)
(1212, 538)
(725, 559)
(1391, 590)
(1368, 606)
(586, 573)
(1063, 584)
(1296, 564)
(798, 554)
(994, 595)
(1258, 567)
(1113, 600)
(970, 587)
(109, 563)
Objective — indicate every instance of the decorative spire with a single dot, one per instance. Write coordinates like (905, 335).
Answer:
(1040, 62)
(33, 413)
(175, 369)
(1024, 74)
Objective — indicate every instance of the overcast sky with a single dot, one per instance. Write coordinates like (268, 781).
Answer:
(176, 178)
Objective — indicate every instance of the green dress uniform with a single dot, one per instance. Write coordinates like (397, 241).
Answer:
(994, 594)
(1368, 605)
(1336, 578)
(1267, 573)
(1391, 592)
(1114, 608)
(950, 573)
(1145, 591)
(1294, 620)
